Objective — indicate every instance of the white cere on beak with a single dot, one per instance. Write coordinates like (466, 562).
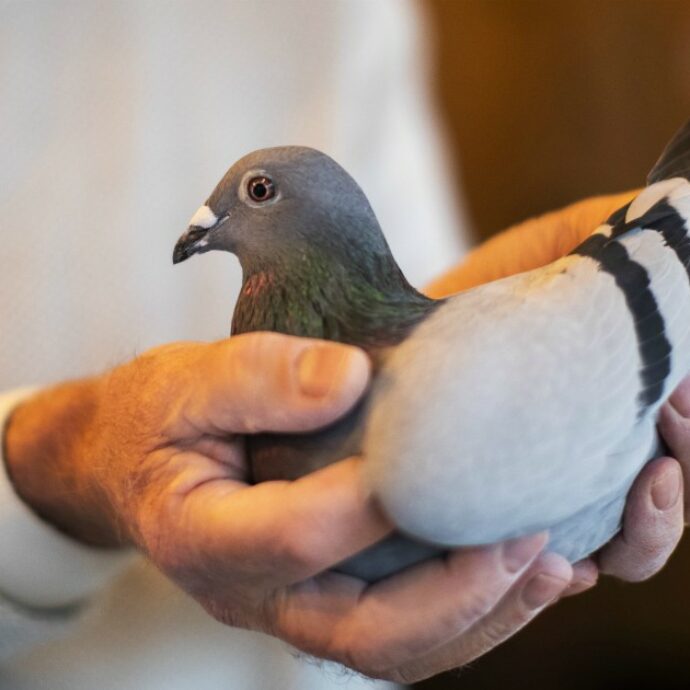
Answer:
(204, 218)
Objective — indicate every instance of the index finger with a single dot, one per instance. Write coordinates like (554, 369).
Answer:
(278, 532)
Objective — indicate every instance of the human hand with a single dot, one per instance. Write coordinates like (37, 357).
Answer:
(653, 519)
(152, 454)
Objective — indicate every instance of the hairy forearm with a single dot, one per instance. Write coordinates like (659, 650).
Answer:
(528, 245)
(48, 446)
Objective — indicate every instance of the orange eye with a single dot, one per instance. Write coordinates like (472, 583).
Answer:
(261, 188)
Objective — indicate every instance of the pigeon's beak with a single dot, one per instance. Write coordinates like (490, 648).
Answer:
(196, 239)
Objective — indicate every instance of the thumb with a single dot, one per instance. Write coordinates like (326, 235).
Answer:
(272, 382)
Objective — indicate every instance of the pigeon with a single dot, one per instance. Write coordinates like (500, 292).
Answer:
(525, 404)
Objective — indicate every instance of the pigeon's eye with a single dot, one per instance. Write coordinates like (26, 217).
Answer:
(261, 188)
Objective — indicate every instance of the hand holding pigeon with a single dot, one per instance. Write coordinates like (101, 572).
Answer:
(167, 433)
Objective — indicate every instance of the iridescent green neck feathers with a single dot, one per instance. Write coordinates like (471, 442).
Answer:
(369, 304)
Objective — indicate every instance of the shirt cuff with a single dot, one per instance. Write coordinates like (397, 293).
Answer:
(39, 566)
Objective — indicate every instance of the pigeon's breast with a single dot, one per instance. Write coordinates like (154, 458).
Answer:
(503, 411)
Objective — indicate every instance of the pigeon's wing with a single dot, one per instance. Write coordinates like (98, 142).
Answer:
(675, 159)
(518, 404)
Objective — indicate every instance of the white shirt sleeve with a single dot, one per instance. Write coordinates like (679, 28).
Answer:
(40, 567)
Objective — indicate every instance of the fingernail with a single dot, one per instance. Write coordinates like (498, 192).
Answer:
(541, 590)
(518, 552)
(321, 369)
(666, 490)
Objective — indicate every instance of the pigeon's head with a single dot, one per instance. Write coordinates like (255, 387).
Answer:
(277, 205)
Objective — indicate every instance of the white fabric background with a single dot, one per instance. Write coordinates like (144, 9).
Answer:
(116, 121)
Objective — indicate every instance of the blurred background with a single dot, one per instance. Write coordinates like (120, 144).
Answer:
(548, 102)
(545, 103)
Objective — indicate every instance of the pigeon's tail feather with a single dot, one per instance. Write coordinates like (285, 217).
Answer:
(675, 160)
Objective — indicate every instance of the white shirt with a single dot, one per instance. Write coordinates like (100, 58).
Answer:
(116, 121)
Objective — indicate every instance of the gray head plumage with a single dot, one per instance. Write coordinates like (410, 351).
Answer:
(280, 202)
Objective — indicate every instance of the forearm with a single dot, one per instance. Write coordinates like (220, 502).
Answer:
(48, 443)
(528, 245)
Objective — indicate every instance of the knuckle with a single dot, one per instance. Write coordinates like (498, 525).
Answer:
(240, 360)
(243, 350)
(297, 548)
(475, 609)
(497, 630)
(254, 351)
(259, 366)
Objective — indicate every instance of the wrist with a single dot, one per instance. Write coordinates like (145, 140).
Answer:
(50, 457)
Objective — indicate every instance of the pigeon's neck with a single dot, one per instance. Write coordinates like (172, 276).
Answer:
(369, 304)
